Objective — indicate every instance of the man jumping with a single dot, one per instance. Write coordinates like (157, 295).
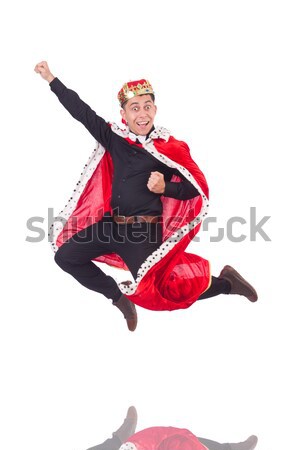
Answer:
(138, 204)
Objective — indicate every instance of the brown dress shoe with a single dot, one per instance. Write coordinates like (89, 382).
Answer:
(129, 425)
(249, 444)
(129, 311)
(238, 284)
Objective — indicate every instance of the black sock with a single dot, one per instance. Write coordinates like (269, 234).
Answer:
(218, 286)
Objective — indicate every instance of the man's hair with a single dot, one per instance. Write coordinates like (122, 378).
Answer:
(151, 95)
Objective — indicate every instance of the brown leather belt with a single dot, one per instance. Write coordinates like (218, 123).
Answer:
(136, 219)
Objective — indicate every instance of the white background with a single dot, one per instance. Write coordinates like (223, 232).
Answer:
(225, 76)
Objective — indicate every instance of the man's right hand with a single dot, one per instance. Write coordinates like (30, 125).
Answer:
(43, 69)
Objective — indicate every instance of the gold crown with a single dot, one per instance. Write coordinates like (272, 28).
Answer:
(133, 88)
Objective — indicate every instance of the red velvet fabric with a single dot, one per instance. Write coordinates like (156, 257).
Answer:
(178, 279)
(166, 438)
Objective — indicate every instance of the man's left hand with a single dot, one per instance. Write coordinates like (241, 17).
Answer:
(156, 183)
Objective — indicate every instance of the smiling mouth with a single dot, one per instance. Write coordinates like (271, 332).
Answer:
(143, 124)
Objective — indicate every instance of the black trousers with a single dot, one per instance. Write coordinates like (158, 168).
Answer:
(132, 242)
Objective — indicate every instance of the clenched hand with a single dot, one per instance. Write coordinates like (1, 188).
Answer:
(43, 69)
(156, 183)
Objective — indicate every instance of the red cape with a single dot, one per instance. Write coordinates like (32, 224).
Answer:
(170, 278)
(164, 438)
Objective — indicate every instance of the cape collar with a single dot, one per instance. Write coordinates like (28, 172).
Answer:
(157, 133)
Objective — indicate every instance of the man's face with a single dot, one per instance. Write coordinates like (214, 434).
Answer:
(139, 113)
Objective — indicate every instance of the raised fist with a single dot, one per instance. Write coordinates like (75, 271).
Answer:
(43, 69)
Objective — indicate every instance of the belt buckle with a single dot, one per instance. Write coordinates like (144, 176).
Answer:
(136, 219)
(120, 219)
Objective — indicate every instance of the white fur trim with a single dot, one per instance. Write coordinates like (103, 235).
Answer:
(128, 446)
(157, 133)
(58, 223)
